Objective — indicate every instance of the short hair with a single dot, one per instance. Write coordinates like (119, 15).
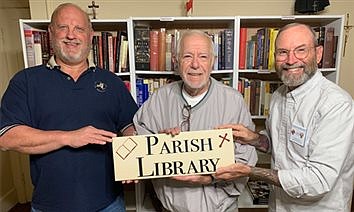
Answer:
(291, 25)
(64, 5)
(189, 33)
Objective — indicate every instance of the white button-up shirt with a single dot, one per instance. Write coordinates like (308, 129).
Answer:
(311, 132)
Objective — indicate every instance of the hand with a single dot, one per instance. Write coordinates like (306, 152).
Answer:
(232, 171)
(194, 179)
(241, 133)
(172, 131)
(88, 135)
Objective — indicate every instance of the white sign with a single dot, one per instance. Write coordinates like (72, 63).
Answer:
(162, 155)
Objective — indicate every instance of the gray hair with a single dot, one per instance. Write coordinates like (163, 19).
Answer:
(188, 33)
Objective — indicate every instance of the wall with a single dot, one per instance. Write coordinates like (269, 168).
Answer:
(109, 9)
(11, 61)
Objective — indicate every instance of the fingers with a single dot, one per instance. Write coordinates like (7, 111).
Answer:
(172, 131)
(232, 126)
(194, 179)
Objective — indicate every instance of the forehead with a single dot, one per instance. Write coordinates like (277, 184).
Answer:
(195, 42)
(71, 15)
(294, 37)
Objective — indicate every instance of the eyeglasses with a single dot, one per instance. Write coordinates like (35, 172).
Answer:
(186, 114)
(299, 52)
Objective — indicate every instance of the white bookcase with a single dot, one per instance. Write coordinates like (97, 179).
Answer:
(136, 200)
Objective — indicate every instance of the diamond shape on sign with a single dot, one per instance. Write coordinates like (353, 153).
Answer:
(130, 144)
(127, 147)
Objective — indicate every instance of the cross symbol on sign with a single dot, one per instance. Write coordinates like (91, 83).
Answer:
(223, 139)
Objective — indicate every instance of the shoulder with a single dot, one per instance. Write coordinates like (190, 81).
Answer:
(30, 73)
(225, 91)
(170, 89)
(332, 95)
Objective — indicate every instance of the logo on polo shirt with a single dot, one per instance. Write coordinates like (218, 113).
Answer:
(100, 86)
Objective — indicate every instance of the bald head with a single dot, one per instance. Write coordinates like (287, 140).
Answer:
(305, 29)
(72, 6)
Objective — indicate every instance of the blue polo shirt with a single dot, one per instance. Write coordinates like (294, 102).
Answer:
(43, 97)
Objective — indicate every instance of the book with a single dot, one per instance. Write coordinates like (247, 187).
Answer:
(320, 33)
(168, 52)
(243, 44)
(141, 46)
(259, 191)
(272, 36)
(229, 49)
(154, 50)
(121, 35)
(123, 53)
(328, 48)
(37, 47)
(162, 49)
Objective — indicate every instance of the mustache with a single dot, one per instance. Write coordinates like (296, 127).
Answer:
(67, 41)
(286, 66)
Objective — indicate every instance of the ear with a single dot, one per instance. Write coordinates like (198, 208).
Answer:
(319, 52)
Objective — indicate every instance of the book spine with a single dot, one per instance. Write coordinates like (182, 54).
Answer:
(328, 49)
(154, 50)
(162, 49)
(141, 45)
(242, 53)
(29, 47)
(229, 49)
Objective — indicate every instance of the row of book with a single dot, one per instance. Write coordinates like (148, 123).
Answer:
(155, 49)
(109, 48)
(257, 47)
(38, 46)
(145, 87)
(257, 94)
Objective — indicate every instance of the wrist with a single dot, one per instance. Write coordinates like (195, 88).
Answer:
(213, 179)
(261, 142)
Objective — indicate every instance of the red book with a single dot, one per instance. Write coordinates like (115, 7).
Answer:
(243, 44)
(154, 50)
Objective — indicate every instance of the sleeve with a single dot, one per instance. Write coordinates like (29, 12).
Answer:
(15, 109)
(146, 120)
(330, 154)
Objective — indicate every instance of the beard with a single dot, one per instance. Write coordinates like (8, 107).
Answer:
(293, 80)
(68, 56)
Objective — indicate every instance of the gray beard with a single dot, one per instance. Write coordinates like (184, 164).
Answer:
(295, 81)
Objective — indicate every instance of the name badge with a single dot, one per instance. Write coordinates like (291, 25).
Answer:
(298, 135)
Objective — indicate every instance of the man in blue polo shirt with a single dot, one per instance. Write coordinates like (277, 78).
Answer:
(64, 114)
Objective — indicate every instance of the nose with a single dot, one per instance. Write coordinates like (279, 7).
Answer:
(291, 59)
(70, 33)
(195, 62)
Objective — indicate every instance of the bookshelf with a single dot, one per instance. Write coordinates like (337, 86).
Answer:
(231, 74)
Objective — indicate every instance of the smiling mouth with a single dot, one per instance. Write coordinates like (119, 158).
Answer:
(194, 74)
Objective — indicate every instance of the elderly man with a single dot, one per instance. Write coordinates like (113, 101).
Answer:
(64, 114)
(197, 102)
(309, 132)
